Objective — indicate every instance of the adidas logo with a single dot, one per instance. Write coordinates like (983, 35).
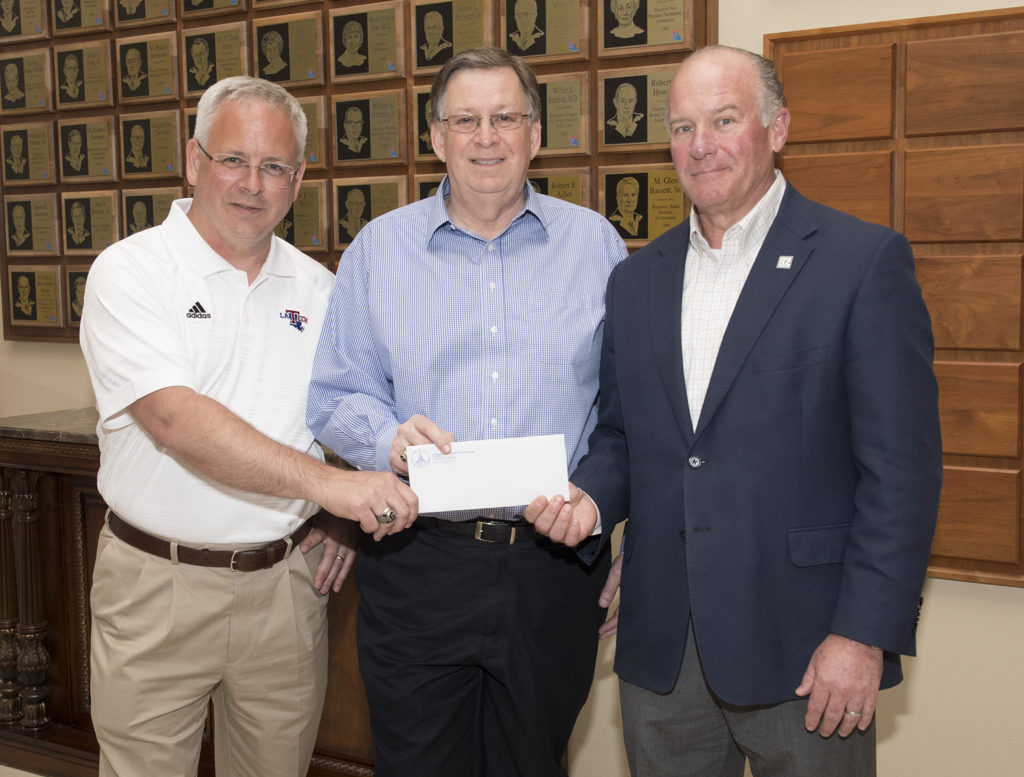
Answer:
(197, 311)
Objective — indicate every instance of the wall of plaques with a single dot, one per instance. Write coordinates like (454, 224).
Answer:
(97, 101)
(922, 123)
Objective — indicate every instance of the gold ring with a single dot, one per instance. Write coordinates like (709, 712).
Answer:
(402, 455)
(339, 557)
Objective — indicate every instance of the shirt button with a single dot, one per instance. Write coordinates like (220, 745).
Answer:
(494, 376)
(494, 330)
(490, 246)
(695, 462)
(493, 286)
(494, 423)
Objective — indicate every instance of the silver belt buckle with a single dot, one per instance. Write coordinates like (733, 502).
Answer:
(478, 534)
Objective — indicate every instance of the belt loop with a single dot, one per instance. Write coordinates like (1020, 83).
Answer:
(174, 552)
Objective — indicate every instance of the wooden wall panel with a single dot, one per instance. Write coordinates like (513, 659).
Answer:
(974, 302)
(867, 182)
(979, 405)
(966, 84)
(840, 95)
(978, 515)
(965, 194)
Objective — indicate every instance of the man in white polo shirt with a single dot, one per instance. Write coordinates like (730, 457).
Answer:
(199, 336)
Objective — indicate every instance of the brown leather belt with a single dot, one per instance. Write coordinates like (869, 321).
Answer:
(495, 532)
(249, 560)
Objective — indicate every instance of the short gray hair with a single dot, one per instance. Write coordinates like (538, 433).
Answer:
(248, 89)
(770, 96)
(486, 58)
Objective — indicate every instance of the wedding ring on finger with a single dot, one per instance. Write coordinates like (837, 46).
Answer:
(402, 455)
(339, 557)
(386, 517)
(853, 714)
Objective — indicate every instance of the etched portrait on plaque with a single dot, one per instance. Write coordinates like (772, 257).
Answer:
(34, 295)
(368, 40)
(645, 26)
(288, 49)
(138, 149)
(633, 104)
(142, 208)
(138, 212)
(74, 151)
(16, 155)
(433, 34)
(642, 201)
(151, 144)
(359, 201)
(90, 221)
(201, 61)
(526, 23)
(370, 128)
(12, 93)
(74, 17)
(77, 277)
(82, 75)
(209, 54)
(135, 13)
(31, 224)
(10, 18)
(148, 67)
(628, 215)
(19, 226)
(71, 88)
(423, 107)
(131, 10)
(134, 78)
(355, 202)
(78, 221)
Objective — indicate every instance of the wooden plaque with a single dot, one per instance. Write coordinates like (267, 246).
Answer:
(28, 154)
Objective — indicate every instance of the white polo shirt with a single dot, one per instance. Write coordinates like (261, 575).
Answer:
(163, 309)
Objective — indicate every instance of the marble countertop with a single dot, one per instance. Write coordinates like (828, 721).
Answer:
(77, 426)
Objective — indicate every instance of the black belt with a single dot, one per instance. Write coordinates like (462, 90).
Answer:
(248, 560)
(497, 532)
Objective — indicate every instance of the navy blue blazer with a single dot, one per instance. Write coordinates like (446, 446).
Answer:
(805, 501)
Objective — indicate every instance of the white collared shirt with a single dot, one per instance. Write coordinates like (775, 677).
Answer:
(712, 283)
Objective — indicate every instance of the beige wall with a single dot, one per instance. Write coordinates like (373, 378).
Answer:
(960, 711)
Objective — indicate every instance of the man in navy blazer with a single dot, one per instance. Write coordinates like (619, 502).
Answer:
(769, 424)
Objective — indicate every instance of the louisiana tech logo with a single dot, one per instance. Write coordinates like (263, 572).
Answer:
(295, 319)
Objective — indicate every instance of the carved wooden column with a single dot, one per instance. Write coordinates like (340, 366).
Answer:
(10, 702)
(33, 660)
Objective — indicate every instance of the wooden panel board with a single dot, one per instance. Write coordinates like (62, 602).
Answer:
(967, 84)
(979, 407)
(978, 515)
(975, 302)
(867, 182)
(965, 194)
(842, 94)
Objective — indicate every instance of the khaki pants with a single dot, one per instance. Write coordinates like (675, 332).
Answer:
(169, 638)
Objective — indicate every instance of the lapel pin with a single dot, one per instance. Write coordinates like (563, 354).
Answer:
(784, 263)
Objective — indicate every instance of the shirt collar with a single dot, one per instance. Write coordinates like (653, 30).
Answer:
(752, 229)
(438, 216)
(203, 259)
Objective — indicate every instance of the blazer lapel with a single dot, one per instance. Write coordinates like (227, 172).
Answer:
(666, 299)
(782, 256)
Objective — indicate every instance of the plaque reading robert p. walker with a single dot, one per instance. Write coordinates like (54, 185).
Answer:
(209, 54)
(148, 68)
(642, 201)
(25, 82)
(288, 49)
(305, 224)
(87, 149)
(31, 221)
(569, 184)
(370, 128)
(564, 113)
(545, 29)
(633, 105)
(83, 75)
(357, 201)
(90, 221)
(35, 295)
(150, 146)
(28, 154)
(367, 40)
(642, 26)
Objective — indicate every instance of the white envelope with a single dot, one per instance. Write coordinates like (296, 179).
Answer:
(488, 473)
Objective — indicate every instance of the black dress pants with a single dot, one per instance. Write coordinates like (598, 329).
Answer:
(476, 658)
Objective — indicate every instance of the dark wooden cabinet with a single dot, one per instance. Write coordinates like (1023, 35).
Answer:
(50, 519)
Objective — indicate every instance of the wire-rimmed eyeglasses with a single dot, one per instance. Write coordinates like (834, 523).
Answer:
(231, 168)
(502, 122)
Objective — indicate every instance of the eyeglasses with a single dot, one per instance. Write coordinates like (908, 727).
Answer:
(502, 122)
(231, 168)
